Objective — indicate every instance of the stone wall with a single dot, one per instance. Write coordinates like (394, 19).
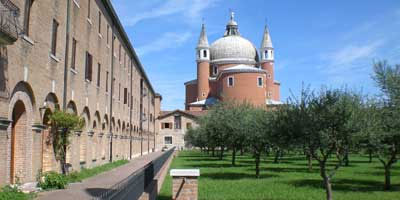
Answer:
(34, 76)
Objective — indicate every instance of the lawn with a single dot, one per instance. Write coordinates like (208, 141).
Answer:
(288, 180)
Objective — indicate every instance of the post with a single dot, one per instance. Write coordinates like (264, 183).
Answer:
(185, 183)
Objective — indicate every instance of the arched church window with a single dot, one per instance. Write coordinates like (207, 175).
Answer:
(266, 54)
(215, 70)
(260, 81)
(205, 53)
(230, 81)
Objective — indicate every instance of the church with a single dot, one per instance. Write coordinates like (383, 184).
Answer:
(232, 68)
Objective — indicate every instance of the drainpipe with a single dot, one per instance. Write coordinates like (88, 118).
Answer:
(112, 91)
(130, 112)
(66, 56)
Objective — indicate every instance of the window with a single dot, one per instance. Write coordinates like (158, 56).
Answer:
(205, 53)
(27, 16)
(88, 15)
(119, 53)
(88, 66)
(73, 56)
(98, 74)
(131, 101)
(188, 125)
(269, 76)
(230, 81)
(125, 95)
(266, 54)
(168, 140)
(215, 70)
(108, 34)
(119, 92)
(177, 121)
(99, 22)
(107, 81)
(260, 81)
(166, 125)
(54, 37)
(124, 60)
(269, 94)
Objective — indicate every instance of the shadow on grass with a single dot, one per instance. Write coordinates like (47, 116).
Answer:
(347, 185)
(214, 165)
(287, 169)
(235, 176)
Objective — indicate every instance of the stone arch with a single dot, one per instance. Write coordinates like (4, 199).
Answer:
(83, 139)
(86, 117)
(105, 123)
(21, 112)
(113, 125)
(119, 127)
(97, 121)
(71, 108)
(123, 129)
(24, 87)
(51, 102)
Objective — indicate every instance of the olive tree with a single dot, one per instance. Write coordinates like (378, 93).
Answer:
(63, 124)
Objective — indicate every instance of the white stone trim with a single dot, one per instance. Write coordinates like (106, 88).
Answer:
(185, 172)
(28, 39)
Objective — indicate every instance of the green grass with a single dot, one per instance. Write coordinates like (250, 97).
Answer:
(87, 173)
(7, 193)
(288, 180)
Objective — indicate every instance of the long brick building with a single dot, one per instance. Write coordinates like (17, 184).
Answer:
(232, 68)
(72, 55)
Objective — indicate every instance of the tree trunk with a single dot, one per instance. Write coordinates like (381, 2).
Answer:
(257, 155)
(346, 158)
(221, 155)
(233, 156)
(370, 156)
(309, 158)
(277, 155)
(63, 161)
(387, 177)
(327, 181)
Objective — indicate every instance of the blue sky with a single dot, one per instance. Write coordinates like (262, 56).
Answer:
(331, 43)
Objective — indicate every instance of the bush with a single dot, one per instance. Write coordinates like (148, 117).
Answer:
(52, 180)
(8, 192)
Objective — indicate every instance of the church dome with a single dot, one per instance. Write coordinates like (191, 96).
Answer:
(233, 49)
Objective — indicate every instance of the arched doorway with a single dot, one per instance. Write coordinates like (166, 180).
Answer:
(18, 148)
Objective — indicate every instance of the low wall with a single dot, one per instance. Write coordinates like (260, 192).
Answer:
(144, 183)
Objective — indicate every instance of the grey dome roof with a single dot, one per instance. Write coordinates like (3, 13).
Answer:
(233, 49)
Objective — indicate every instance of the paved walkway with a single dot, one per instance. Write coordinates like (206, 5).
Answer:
(88, 188)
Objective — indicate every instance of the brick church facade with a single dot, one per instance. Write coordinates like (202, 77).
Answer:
(72, 55)
(232, 68)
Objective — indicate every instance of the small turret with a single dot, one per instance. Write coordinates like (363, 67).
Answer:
(267, 49)
(203, 65)
(232, 26)
(203, 52)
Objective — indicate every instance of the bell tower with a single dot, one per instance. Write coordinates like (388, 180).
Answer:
(267, 61)
(203, 65)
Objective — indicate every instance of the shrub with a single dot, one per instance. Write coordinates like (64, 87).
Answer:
(52, 180)
(9, 192)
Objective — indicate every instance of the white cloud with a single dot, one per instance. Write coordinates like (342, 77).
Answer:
(351, 53)
(166, 41)
(189, 11)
